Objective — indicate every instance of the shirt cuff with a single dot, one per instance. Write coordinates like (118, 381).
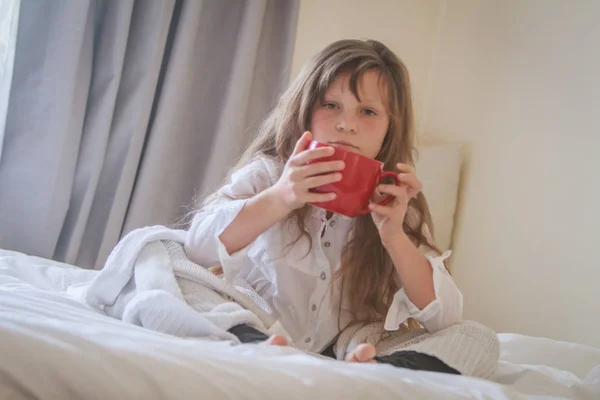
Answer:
(402, 308)
(231, 263)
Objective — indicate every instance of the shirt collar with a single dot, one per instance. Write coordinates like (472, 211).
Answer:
(321, 213)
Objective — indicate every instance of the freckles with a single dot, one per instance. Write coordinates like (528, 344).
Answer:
(320, 118)
(319, 125)
(376, 126)
(317, 116)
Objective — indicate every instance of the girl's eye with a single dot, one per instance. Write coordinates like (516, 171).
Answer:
(330, 106)
(369, 112)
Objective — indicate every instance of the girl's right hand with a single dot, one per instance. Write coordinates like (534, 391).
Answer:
(293, 187)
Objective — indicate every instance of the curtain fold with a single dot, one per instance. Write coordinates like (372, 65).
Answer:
(120, 111)
(9, 20)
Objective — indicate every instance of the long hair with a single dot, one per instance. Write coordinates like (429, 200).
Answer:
(366, 275)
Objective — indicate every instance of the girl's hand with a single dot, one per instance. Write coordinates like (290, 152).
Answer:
(389, 218)
(293, 187)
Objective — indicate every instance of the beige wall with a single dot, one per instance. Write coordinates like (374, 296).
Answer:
(517, 82)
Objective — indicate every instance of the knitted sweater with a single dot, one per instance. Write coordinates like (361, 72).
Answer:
(148, 281)
(469, 347)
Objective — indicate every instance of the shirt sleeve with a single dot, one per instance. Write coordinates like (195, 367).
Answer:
(445, 310)
(202, 244)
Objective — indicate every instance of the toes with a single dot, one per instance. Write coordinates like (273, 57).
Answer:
(364, 353)
(277, 340)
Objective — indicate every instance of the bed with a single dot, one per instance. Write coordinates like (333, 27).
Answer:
(54, 347)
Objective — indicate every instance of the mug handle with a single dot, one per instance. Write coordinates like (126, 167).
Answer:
(384, 174)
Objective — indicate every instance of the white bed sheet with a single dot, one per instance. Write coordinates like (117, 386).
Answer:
(54, 347)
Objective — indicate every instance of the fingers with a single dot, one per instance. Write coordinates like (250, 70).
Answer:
(413, 183)
(407, 169)
(407, 177)
(312, 154)
(317, 168)
(302, 143)
(319, 197)
(400, 192)
(320, 180)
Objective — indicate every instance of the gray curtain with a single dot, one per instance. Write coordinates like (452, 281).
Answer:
(121, 111)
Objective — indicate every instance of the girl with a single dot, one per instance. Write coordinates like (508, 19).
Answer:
(320, 271)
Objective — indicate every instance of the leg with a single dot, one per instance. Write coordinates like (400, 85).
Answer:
(451, 345)
(365, 353)
(417, 361)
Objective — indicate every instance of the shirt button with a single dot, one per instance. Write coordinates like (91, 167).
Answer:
(327, 244)
(323, 275)
(332, 223)
(307, 340)
(314, 307)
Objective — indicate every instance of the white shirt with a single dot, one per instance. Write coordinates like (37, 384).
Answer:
(295, 280)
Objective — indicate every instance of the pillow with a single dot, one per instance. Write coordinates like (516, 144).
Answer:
(438, 168)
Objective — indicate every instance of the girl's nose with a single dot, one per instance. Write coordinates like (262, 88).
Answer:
(347, 123)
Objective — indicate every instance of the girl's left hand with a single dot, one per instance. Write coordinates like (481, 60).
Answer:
(390, 217)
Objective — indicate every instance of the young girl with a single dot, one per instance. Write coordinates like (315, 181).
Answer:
(320, 271)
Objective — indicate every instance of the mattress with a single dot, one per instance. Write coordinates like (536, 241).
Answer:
(55, 347)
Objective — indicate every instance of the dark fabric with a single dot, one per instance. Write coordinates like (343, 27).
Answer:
(402, 359)
(248, 334)
(416, 361)
(328, 352)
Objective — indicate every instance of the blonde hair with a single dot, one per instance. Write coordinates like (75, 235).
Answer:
(366, 275)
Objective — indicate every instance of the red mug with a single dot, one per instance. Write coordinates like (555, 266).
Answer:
(360, 177)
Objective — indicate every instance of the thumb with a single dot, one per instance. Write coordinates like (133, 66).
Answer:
(302, 143)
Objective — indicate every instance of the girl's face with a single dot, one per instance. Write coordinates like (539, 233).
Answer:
(343, 121)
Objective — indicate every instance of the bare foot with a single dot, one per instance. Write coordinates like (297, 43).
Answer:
(276, 340)
(363, 353)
